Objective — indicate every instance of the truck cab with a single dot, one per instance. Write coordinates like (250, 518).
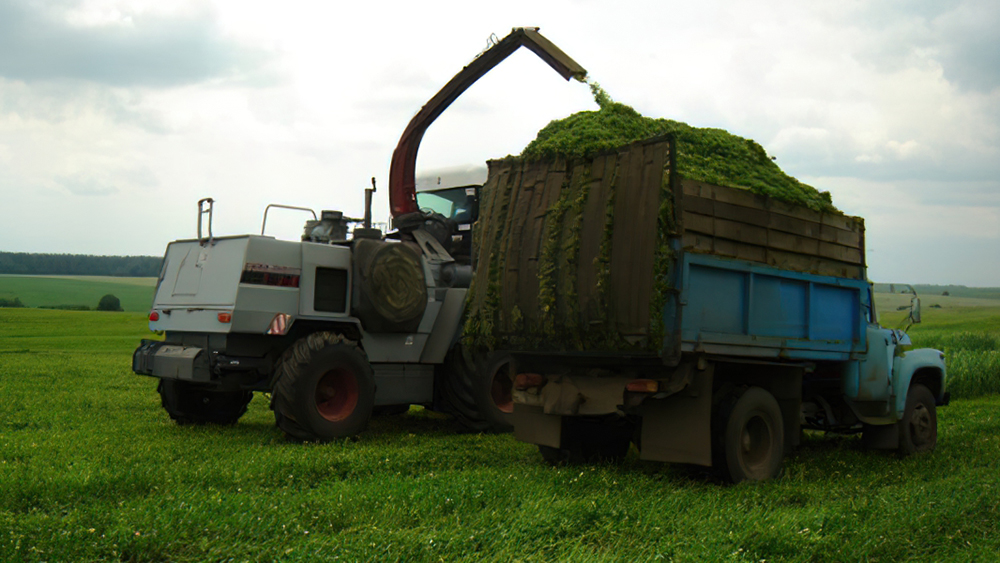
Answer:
(892, 382)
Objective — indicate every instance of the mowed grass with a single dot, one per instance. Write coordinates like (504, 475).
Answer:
(135, 294)
(92, 469)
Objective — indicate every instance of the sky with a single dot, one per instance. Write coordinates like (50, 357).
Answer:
(117, 116)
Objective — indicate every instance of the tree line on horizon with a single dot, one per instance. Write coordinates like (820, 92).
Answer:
(927, 290)
(24, 263)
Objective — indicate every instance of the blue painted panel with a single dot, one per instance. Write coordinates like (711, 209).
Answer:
(835, 312)
(779, 307)
(715, 299)
(742, 308)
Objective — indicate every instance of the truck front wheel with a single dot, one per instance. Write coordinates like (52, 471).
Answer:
(751, 436)
(190, 403)
(324, 389)
(918, 428)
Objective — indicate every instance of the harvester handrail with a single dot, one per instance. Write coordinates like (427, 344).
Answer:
(202, 211)
(263, 223)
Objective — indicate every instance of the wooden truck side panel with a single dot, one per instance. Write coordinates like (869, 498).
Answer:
(595, 256)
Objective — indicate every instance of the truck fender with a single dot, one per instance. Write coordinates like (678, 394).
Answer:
(925, 366)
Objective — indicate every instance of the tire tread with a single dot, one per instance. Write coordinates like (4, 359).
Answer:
(287, 374)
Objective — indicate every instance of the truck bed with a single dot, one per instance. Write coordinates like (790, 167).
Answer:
(610, 254)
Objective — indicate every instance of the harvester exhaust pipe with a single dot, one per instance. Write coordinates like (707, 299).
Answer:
(402, 186)
(368, 204)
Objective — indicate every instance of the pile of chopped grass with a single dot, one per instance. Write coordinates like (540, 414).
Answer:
(709, 155)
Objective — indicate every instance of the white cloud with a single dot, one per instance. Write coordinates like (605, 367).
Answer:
(892, 106)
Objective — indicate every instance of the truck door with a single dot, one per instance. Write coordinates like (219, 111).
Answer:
(875, 368)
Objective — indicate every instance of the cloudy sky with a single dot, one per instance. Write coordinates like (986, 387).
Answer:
(117, 116)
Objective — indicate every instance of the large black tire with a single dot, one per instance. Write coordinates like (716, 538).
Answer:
(918, 428)
(478, 389)
(190, 403)
(591, 440)
(749, 436)
(324, 389)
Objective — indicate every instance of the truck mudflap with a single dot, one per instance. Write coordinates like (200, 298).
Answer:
(684, 401)
(565, 395)
(540, 402)
(678, 428)
(169, 361)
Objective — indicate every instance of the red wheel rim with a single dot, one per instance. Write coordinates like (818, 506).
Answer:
(500, 389)
(336, 394)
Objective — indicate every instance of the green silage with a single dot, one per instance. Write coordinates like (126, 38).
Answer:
(706, 154)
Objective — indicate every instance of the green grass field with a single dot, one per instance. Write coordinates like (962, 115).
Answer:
(92, 469)
(136, 294)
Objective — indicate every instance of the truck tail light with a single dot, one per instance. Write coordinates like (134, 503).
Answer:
(225, 317)
(643, 386)
(528, 381)
(279, 324)
(154, 316)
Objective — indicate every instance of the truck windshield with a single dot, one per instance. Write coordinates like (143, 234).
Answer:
(458, 204)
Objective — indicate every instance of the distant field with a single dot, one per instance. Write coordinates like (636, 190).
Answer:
(953, 290)
(136, 294)
(936, 311)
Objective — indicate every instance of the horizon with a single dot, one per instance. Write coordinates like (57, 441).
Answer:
(160, 257)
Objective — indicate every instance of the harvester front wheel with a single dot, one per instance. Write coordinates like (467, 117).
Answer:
(324, 389)
(190, 403)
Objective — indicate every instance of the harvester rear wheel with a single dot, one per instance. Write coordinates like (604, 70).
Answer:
(190, 403)
(478, 389)
(324, 389)
(749, 436)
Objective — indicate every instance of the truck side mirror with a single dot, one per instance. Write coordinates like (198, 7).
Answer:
(915, 309)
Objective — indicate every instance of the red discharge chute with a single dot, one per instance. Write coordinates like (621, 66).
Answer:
(402, 187)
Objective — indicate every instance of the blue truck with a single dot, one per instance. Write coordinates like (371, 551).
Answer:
(706, 324)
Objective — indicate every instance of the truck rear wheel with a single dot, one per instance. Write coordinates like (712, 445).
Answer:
(918, 428)
(324, 389)
(190, 403)
(479, 389)
(750, 436)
